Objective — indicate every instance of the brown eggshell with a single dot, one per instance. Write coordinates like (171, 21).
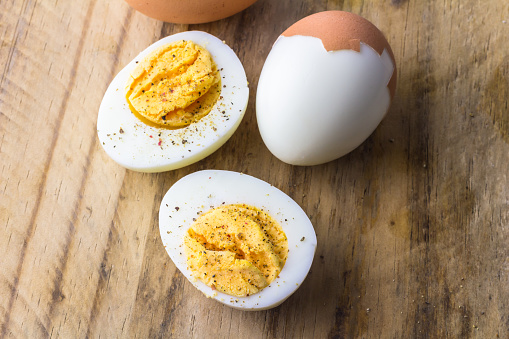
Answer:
(189, 11)
(343, 30)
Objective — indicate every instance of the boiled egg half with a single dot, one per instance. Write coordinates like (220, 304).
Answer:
(199, 193)
(140, 145)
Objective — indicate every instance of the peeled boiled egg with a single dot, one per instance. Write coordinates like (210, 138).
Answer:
(189, 11)
(196, 194)
(326, 84)
(142, 146)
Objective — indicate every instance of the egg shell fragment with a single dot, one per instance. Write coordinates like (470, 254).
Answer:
(140, 147)
(314, 105)
(201, 191)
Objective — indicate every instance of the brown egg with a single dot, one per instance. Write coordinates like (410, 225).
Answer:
(334, 75)
(189, 11)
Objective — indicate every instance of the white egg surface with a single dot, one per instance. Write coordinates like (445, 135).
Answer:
(327, 108)
(319, 97)
(202, 191)
(142, 147)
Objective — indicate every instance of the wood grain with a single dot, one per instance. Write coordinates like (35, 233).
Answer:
(412, 227)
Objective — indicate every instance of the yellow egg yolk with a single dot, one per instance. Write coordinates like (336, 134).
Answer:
(174, 86)
(236, 249)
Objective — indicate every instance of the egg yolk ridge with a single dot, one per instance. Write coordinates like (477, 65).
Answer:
(174, 86)
(236, 249)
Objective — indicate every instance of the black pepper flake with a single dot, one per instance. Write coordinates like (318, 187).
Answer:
(121, 131)
(177, 208)
(302, 239)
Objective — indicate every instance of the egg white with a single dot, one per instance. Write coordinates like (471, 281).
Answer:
(140, 147)
(314, 105)
(201, 191)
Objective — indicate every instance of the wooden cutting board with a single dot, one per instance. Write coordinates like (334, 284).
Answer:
(412, 226)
